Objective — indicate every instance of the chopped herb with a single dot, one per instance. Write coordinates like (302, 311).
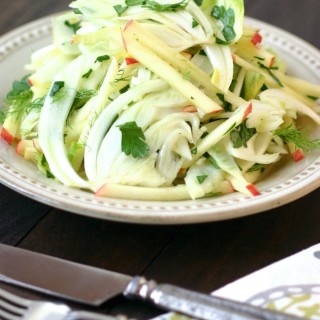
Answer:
(233, 84)
(133, 140)
(124, 89)
(86, 94)
(102, 58)
(19, 97)
(194, 151)
(202, 178)
(222, 42)
(192, 98)
(134, 2)
(313, 98)
(198, 2)
(227, 17)
(262, 66)
(264, 87)
(120, 9)
(73, 26)
(169, 7)
(19, 87)
(225, 104)
(256, 167)
(231, 128)
(57, 85)
(43, 166)
(290, 134)
(202, 53)
(77, 11)
(212, 160)
(195, 23)
(87, 74)
(2, 117)
(259, 58)
(204, 135)
(241, 135)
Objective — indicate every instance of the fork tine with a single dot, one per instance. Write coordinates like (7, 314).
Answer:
(9, 297)
(11, 306)
(8, 316)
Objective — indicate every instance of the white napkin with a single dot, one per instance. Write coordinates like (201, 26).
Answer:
(291, 285)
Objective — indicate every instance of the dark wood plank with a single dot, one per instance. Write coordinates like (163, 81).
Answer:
(201, 257)
(18, 12)
(18, 215)
(298, 17)
(206, 257)
(115, 246)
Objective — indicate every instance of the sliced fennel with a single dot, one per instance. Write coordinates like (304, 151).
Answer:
(212, 106)
(52, 124)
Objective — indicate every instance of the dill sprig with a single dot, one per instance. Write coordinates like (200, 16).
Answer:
(158, 7)
(19, 97)
(299, 138)
(120, 78)
(86, 94)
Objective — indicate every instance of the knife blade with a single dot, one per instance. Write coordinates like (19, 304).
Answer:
(94, 286)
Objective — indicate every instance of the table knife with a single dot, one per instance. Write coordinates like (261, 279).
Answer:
(94, 286)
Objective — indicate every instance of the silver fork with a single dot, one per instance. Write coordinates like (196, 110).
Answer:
(13, 307)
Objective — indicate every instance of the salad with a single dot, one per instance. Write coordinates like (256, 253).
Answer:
(158, 100)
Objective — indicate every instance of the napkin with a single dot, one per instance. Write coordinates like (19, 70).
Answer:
(291, 285)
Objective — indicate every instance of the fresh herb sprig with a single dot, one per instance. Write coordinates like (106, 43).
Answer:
(74, 26)
(133, 140)
(227, 17)
(299, 138)
(241, 135)
(269, 70)
(19, 97)
(152, 5)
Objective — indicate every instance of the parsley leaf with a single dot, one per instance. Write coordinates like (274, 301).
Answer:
(240, 136)
(19, 97)
(133, 140)
(120, 9)
(87, 74)
(225, 104)
(227, 17)
(195, 23)
(77, 11)
(262, 66)
(202, 178)
(212, 160)
(57, 85)
(102, 58)
(290, 134)
(134, 2)
(256, 167)
(169, 7)
(73, 26)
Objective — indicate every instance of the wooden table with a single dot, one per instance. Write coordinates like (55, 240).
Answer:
(202, 257)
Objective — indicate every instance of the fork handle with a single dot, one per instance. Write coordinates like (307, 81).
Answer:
(197, 305)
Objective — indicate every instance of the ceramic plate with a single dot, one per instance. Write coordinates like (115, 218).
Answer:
(287, 182)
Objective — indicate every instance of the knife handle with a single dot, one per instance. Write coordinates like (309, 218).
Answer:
(197, 305)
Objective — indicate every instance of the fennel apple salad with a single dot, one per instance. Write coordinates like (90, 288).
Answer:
(158, 100)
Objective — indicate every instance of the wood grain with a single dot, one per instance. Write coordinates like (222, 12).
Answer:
(201, 257)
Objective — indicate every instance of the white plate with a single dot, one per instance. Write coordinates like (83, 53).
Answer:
(289, 181)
